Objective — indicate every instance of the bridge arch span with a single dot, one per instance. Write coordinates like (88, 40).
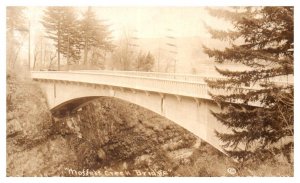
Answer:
(182, 98)
(190, 113)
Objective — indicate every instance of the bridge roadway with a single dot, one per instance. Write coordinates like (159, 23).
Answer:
(182, 98)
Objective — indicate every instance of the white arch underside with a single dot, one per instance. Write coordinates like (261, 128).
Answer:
(193, 116)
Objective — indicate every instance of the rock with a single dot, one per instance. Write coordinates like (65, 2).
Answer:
(101, 154)
(143, 159)
(197, 143)
(10, 116)
(125, 165)
(13, 128)
(27, 114)
(50, 158)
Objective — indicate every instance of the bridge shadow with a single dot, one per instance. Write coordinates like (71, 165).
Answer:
(71, 106)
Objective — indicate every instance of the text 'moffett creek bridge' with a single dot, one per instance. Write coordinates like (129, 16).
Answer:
(182, 98)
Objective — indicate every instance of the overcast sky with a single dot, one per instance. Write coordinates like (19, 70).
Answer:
(183, 23)
(147, 21)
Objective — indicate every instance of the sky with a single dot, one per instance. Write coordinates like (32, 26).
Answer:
(151, 25)
(145, 22)
(158, 21)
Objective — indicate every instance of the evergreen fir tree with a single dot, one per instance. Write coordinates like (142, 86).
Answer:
(262, 39)
(60, 24)
(15, 22)
(71, 45)
(144, 62)
(94, 34)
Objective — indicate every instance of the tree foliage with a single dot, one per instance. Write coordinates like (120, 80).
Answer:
(262, 39)
(144, 62)
(70, 44)
(15, 18)
(15, 27)
(61, 27)
(94, 34)
(72, 35)
(124, 54)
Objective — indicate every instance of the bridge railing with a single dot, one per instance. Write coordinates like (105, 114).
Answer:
(182, 76)
(161, 75)
(151, 84)
(179, 85)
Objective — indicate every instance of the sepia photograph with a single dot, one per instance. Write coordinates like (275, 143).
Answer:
(149, 91)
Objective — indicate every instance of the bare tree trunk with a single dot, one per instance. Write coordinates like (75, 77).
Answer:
(36, 53)
(29, 45)
(16, 56)
(34, 61)
(58, 48)
(85, 51)
(51, 59)
(68, 56)
(45, 56)
(10, 48)
(41, 52)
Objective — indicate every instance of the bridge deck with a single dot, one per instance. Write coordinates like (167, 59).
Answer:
(177, 84)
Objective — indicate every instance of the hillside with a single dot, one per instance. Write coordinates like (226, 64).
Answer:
(108, 137)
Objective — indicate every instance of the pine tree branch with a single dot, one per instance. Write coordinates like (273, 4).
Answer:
(267, 51)
(235, 14)
(248, 57)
